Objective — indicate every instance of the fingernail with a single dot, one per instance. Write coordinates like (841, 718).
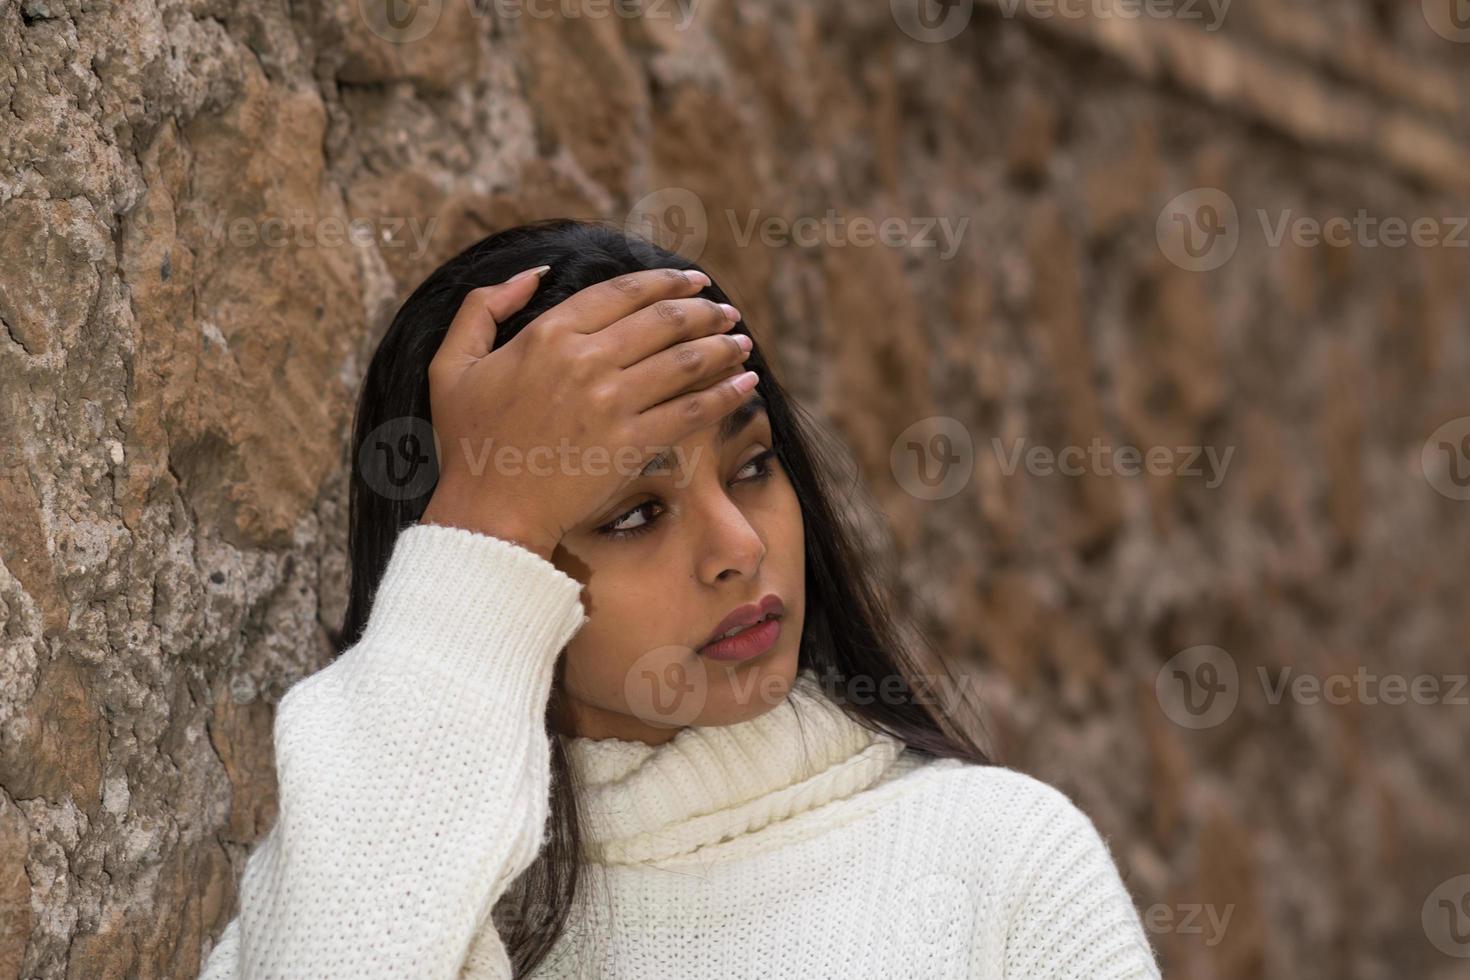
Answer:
(745, 342)
(746, 381)
(696, 277)
(731, 313)
(538, 272)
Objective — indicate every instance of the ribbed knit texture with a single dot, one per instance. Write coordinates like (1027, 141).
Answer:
(414, 777)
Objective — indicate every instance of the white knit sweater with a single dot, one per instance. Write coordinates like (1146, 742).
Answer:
(414, 774)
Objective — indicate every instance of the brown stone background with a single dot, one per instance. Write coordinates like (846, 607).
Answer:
(175, 392)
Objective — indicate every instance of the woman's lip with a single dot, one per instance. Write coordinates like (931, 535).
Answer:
(769, 605)
(748, 643)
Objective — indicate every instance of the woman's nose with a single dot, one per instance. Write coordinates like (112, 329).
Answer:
(730, 544)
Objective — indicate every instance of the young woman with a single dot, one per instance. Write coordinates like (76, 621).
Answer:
(618, 697)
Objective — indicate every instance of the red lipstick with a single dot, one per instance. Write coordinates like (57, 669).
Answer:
(758, 625)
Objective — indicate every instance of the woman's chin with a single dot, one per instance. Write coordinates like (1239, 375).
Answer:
(741, 691)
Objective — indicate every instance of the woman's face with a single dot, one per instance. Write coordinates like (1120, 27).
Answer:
(715, 528)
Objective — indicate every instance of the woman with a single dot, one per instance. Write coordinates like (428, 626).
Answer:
(618, 698)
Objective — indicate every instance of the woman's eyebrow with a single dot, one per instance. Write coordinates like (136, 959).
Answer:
(730, 426)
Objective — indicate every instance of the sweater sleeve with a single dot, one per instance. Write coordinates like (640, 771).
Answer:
(413, 773)
(1072, 914)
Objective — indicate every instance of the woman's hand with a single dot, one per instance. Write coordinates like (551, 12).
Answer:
(625, 367)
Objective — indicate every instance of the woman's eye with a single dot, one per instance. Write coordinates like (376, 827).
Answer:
(757, 468)
(762, 464)
(618, 528)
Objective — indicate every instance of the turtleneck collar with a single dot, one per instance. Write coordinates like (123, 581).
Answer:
(713, 783)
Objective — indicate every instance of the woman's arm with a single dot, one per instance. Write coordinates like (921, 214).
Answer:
(413, 770)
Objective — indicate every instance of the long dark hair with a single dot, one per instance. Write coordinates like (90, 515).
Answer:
(850, 636)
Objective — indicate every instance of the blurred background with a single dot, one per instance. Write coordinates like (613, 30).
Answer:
(1145, 322)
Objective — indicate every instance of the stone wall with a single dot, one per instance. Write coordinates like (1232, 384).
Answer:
(208, 211)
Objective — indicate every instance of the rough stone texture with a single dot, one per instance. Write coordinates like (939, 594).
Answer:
(176, 376)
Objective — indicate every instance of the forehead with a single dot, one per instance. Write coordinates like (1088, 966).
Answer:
(728, 428)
